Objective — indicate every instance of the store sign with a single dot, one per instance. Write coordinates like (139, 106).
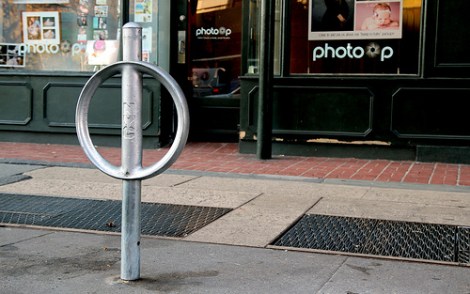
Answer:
(212, 33)
(22, 49)
(354, 20)
(372, 50)
(42, 48)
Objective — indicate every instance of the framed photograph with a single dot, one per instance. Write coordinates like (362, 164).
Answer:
(102, 52)
(82, 20)
(143, 11)
(378, 19)
(354, 19)
(100, 23)
(101, 11)
(12, 55)
(41, 27)
(100, 35)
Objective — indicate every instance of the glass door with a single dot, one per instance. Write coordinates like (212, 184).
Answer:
(212, 57)
(214, 48)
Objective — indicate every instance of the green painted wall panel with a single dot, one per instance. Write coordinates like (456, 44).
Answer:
(15, 103)
(323, 110)
(104, 111)
(318, 110)
(431, 112)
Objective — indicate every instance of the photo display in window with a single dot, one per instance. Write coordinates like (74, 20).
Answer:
(355, 37)
(57, 35)
(354, 19)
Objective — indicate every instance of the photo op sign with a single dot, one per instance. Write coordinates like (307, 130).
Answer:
(354, 19)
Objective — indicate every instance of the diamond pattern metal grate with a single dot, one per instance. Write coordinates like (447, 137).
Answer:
(379, 237)
(104, 215)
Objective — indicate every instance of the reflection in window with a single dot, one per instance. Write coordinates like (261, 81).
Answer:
(254, 31)
(215, 48)
(57, 35)
(144, 12)
(204, 6)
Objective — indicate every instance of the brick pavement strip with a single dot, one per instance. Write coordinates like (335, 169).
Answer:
(225, 158)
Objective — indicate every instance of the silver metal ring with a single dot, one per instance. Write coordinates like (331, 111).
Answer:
(81, 118)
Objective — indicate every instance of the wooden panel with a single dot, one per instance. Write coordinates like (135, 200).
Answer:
(214, 119)
(452, 33)
(338, 111)
(447, 39)
(15, 103)
(60, 100)
(431, 113)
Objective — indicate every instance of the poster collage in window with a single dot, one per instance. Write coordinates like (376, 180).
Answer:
(355, 36)
(141, 12)
(59, 35)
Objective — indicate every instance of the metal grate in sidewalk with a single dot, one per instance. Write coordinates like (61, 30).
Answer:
(380, 237)
(103, 215)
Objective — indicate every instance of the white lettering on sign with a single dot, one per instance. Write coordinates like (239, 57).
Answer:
(39, 48)
(78, 48)
(213, 32)
(48, 48)
(372, 50)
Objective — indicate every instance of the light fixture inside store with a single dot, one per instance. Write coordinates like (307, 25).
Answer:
(204, 6)
(303, 3)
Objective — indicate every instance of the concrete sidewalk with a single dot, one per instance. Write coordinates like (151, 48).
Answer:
(39, 261)
(233, 253)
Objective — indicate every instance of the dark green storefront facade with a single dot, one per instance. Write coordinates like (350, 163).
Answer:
(419, 111)
(327, 98)
(38, 96)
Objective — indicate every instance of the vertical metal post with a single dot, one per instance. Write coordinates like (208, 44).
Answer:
(266, 60)
(131, 153)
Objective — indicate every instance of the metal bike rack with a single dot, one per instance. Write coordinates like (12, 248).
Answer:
(131, 170)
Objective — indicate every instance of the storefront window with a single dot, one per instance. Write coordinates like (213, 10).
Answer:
(59, 35)
(214, 47)
(254, 31)
(144, 12)
(355, 36)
